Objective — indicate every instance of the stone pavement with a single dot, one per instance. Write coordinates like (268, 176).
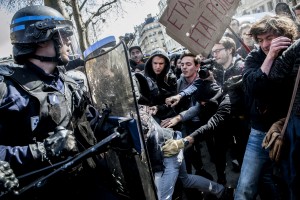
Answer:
(231, 174)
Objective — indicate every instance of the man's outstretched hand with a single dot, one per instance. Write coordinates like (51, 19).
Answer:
(173, 100)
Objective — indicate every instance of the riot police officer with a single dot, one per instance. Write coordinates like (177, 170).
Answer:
(42, 111)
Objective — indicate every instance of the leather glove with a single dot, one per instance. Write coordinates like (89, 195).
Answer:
(274, 140)
(172, 147)
(62, 141)
(273, 133)
(275, 153)
(8, 180)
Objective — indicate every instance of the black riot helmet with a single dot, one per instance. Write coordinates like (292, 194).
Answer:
(35, 24)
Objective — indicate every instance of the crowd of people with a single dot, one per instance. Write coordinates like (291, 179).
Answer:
(228, 100)
(231, 102)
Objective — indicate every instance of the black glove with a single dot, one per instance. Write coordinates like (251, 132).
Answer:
(61, 142)
(8, 180)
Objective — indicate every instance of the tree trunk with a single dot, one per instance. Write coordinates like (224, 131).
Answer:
(81, 29)
(57, 5)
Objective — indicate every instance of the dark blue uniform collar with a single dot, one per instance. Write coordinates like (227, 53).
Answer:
(49, 79)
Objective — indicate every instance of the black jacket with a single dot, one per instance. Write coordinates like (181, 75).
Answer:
(214, 117)
(167, 86)
(236, 68)
(266, 99)
(286, 67)
(214, 114)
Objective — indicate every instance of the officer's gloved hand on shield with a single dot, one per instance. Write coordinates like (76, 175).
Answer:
(8, 180)
(61, 143)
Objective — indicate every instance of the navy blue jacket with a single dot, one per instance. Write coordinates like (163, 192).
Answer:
(23, 119)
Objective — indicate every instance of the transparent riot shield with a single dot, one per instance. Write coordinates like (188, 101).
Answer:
(110, 84)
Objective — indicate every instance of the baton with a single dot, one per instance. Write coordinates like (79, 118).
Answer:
(71, 162)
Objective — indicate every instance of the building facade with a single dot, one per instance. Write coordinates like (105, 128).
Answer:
(151, 34)
(247, 7)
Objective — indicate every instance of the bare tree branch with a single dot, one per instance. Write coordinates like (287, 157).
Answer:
(100, 11)
(82, 5)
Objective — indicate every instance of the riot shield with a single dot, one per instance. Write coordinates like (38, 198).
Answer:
(110, 84)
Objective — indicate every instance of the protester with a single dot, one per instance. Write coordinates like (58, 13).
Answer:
(190, 66)
(224, 65)
(227, 70)
(44, 114)
(168, 166)
(213, 109)
(234, 25)
(136, 58)
(157, 68)
(267, 102)
(175, 64)
(286, 67)
(247, 39)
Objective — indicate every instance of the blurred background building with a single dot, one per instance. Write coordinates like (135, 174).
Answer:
(151, 34)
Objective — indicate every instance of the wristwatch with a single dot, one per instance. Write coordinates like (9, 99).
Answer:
(185, 142)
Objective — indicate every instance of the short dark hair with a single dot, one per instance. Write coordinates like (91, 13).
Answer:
(190, 54)
(135, 47)
(228, 43)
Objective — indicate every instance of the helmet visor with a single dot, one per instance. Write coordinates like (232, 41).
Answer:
(69, 41)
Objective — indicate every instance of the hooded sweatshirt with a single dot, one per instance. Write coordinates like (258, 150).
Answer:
(166, 82)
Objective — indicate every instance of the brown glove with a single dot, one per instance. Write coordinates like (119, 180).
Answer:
(274, 140)
(273, 133)
(275, 152)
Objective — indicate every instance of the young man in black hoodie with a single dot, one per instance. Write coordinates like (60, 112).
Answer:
(157, 68)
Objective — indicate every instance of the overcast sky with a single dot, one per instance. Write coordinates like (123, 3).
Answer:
(5, 47)
(136, 14)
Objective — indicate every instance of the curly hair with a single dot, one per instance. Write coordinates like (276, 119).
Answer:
(276, 25)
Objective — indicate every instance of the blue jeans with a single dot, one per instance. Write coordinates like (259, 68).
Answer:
(175, 167)
(256, 172)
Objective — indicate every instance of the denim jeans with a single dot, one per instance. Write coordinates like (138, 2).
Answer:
(256, 172)
(175, 167)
